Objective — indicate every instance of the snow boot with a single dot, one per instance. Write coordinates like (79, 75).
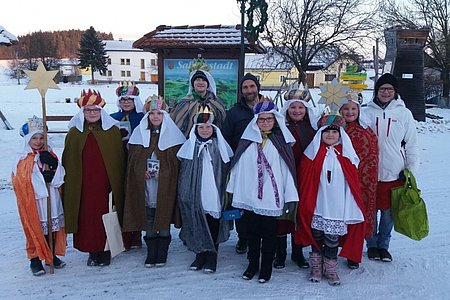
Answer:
(316, 267)
(36, 267)
(152, 249)
(241, 246)
(199, 262)
(330, 266)
(211, 261)
(58, 263)
(267, 255)
(281, 253)
(135, 240)
(254, 251)
(163, 249)
(297, 255)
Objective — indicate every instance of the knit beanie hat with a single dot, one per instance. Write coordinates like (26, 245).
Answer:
(249, 76)
(386, 78)
(199, 74)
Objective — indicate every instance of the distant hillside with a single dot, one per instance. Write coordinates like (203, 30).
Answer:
(57, 44)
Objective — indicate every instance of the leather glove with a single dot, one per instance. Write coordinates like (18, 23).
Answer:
(48, 175)
(47, 158)
(289, 207)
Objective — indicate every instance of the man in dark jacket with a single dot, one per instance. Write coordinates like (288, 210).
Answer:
(236, 120)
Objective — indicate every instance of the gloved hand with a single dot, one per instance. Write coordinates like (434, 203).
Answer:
(48, 175)
(402, 176)
(289, 207)
(47, 158)
(123, 132)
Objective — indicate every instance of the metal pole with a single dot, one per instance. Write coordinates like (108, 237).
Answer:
(242, 54)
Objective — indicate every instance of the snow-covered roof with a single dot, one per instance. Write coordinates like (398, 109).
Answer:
(201, 36)
(120, 45)
(6, 38)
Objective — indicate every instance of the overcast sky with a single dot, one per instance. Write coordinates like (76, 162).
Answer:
(129, 19)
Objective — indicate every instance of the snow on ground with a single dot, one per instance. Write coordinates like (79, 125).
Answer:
(420, 270)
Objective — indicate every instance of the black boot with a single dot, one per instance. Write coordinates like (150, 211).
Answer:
(281, 253)
(36, 267)
(211, 261)
(152, 249)
(297, 255)
(163, 248)
(199, 262)
(104, 258)
(267, 255)
(254, 250)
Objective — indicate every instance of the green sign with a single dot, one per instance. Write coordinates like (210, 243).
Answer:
(224, 72)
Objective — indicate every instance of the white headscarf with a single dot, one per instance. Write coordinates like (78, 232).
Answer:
(364, 121)
(169, 136)
(253, 133)
(25, 148)
(211, 85)
(107, 121)
(138, 105)
(309, 110)
(187, 150)
(347, 148)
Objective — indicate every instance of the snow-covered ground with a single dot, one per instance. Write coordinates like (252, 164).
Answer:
(420, 270)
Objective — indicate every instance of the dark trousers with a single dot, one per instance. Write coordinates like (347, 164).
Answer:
(213, 225)
(262, 238)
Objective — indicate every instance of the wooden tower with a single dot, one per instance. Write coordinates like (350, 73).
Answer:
(404, 59)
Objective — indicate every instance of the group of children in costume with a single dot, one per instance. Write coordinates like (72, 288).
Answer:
(290, 174)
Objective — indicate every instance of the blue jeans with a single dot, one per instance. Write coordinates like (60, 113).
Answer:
(381, 230)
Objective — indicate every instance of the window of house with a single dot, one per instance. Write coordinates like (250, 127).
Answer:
(109, 73)
(122, 73)
(142, 63)
(109, 61)
(142, 76)
(153, 62)
(330, 77)
(125, 61)
(282, 78)
(128, 73)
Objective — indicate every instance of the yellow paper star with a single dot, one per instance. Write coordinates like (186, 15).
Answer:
(41, 79)
(333, 95)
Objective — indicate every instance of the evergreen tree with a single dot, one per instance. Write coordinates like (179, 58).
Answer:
(92, 53)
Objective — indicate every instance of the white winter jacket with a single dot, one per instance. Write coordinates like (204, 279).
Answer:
(393, 125)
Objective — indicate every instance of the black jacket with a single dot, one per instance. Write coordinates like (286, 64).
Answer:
(236, 120)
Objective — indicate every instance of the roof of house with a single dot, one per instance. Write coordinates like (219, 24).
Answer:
(7, 38)
(120, 45)
(201, 36)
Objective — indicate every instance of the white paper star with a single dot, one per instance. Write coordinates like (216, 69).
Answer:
(334, 95)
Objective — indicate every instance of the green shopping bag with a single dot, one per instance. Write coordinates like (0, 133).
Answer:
(409, 212)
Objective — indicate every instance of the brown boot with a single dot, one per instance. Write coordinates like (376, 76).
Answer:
(330, 268)
(316, 267)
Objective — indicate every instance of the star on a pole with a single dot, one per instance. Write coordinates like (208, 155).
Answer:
(334, 95)
(41, 79)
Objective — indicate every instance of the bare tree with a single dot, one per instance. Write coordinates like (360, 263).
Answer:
(306, 30)
(433, 14)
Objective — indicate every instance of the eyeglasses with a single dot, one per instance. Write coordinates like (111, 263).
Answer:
(388, 89)
(263, 120)
(91, 111)
(126, 100)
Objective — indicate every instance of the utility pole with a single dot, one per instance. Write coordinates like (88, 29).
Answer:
(242, 49)
(375, 60)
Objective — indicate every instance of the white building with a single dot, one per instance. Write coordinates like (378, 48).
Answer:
(128, 63)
